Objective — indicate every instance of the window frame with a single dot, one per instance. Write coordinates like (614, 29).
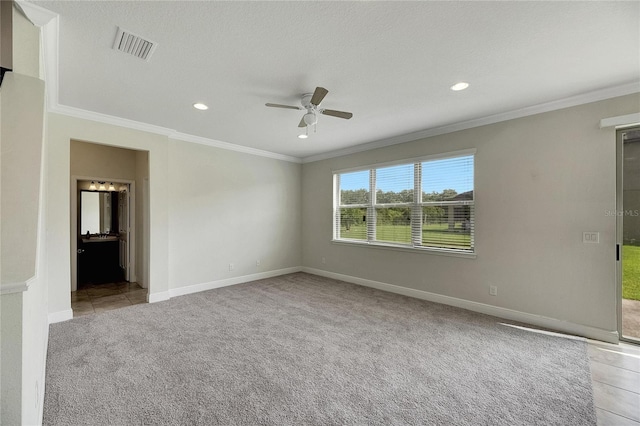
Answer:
(416, 207)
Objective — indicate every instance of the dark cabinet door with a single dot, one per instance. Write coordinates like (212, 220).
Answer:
(98, 262)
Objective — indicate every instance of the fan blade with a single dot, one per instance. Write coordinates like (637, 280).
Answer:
(282, 106)
(318, 95)
(339, 114)
(302, 123)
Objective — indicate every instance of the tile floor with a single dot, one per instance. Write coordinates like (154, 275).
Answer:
(96, 298)
(615, 374)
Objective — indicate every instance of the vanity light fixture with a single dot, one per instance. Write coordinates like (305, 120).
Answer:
(111, 187)
(102, 187)
(92, 187)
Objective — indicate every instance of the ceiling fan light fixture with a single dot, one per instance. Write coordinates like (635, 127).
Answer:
(459, 86)
(303, 136)
(310, 119)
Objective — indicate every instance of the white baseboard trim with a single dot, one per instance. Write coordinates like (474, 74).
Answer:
(510, 314)
(60, 316)
(181, 291)
(158, 297)
(43, 377)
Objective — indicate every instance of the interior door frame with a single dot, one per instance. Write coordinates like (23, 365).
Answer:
(619, 225)
(74, 224)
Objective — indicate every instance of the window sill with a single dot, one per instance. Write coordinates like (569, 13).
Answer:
(437, 252)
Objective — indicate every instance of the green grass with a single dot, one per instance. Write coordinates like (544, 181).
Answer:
(631, 272)
(435, 235)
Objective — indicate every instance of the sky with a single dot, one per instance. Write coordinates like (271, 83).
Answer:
(437, 175)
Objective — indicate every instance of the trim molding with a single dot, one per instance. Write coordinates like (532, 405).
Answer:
(597, 95)
(158, 297)
(18, 287)
(196, 288)
(60, 316)
(39, 16)
(620, 121)
(233, 147)
(108, 119)
(610, 336)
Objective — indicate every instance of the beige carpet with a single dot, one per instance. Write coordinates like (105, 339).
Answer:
(305, 350)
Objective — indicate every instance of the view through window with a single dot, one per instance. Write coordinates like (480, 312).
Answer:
(420, 203)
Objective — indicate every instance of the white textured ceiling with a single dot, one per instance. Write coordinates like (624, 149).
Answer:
(390, 63)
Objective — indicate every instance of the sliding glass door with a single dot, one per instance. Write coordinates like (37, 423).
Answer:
(628, 217)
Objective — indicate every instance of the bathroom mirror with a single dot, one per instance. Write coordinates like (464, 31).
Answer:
(98, 212)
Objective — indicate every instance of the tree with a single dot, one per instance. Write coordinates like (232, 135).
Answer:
(354, 196)
(350, 217)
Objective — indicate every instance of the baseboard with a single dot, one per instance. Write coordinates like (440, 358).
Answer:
(158, 297)
(510, 314)
(181, 291)
(40, 395)
(60, 316)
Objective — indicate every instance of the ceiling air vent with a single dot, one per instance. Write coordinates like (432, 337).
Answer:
(133, 44)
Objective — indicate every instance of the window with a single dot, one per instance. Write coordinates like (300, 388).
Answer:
(425, 203)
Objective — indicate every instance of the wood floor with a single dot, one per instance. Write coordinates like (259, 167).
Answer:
(96, 298)
(615, 374)
(615, 369)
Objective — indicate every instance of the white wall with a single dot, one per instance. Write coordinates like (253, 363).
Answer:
(23, 323)
(540, 182)
(101, 161)
(208, 207)
(227, 207)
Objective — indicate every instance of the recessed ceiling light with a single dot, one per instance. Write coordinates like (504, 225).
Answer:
(200, 106)
(459, 86)
(303, 136)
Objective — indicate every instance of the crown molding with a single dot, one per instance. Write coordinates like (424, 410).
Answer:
(597, 95)
(39, 16)
(233, 147)
(109, 119)
(620, 121)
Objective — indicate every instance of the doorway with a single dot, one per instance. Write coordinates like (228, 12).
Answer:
(103, 229)
(628, 238)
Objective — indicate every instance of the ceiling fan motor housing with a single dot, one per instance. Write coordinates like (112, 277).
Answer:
(310, 119)
(306, 101)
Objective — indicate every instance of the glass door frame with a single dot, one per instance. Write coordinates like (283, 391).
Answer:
(619, 226)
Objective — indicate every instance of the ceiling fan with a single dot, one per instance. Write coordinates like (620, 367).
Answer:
(310, 102)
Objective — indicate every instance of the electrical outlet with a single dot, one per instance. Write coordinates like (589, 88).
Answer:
(324, 261)
(591, 237)
(258, 262)
(231, 266)
(493, 290)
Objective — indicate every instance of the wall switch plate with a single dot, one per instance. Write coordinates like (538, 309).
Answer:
(258, 262)
(493, 290)
(591, 237)
(324, 261)
(231, 266)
